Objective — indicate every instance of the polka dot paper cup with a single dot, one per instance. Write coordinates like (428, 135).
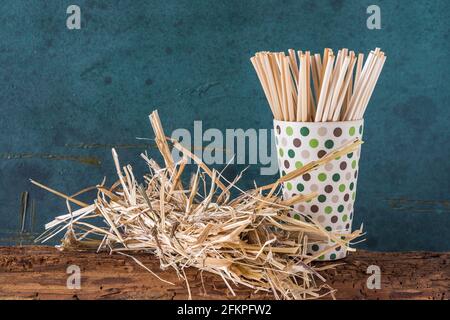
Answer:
(301, 142)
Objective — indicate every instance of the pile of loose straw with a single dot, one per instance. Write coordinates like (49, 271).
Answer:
(249, 240)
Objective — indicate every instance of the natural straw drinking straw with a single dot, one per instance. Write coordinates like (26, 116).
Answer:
(319, 104)
(307, 88)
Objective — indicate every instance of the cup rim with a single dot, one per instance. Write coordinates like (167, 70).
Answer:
(311, 124)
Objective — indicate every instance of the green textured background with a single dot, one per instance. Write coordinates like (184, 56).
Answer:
(67, 96)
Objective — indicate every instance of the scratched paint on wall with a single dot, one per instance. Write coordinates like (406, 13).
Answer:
(68, 96)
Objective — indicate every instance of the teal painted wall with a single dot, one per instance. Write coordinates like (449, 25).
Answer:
(67, 96)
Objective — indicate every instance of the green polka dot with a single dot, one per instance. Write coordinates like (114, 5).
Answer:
(352, 131)
(342, 187)
(337, 158)
(283, 173)
(352, 185)
(315, 247)
(350, 155)
(353, 195)
(341, 208)
(304, 131)
(289, 186)
(328, 209)
(328, 228)
(329, 144)
(281, 152)
(336, 177)
(354, 164)
(300, 187)
(344, 217)
(322, 177)
(360, 129)
(313, 143)
(291, 153)
(332, 256)
(321, 257)
(298, 164)
(289, 131)
(322, 198)
(297, 216)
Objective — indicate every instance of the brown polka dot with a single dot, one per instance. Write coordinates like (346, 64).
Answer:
(297, 142)
(334, 219)
(286, 164)
(314, 208)
(347, 226)
(338, 248)
(301, 208)
(356, 174)
(321, 219)
(278, 129)
(337, 132)
(346, 197)
(343, 165)
(321, 153)
(306, 177)
(328, 189)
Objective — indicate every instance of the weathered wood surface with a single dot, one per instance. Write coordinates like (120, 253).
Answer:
(40, 273)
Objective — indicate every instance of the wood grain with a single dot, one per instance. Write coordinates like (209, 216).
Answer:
(40, 273)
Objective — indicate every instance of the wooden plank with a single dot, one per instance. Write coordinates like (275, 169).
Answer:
(38, 272)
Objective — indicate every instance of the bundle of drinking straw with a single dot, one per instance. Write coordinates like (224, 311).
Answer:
(316, 89)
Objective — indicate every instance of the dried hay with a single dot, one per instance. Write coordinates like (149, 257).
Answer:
(249, 240)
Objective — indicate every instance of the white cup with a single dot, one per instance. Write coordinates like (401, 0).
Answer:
(301, 142)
